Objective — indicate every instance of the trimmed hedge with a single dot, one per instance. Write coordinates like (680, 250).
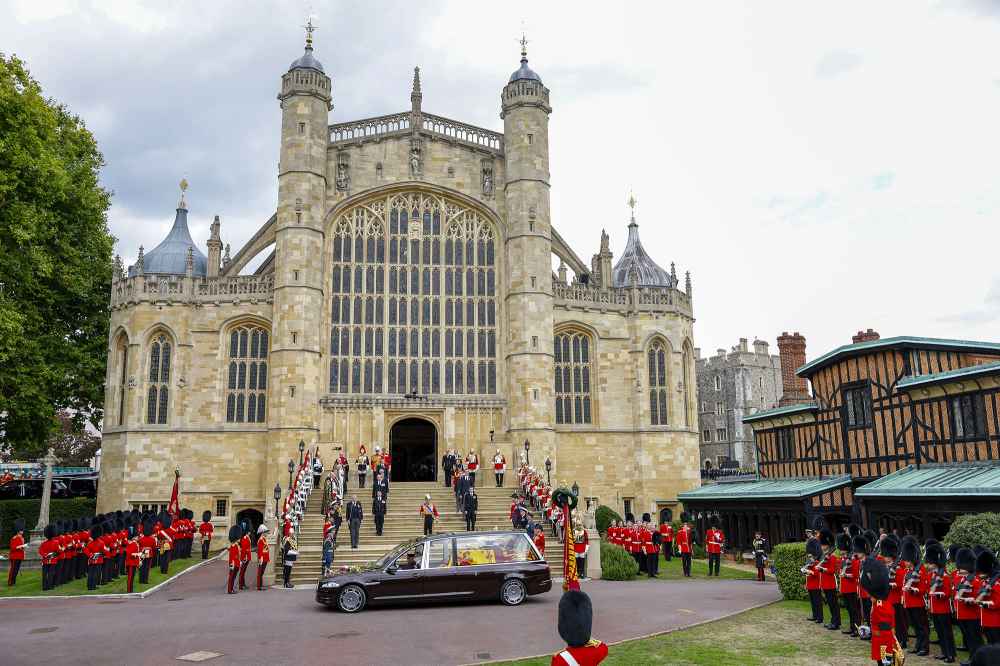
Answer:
(976, 528)
(788, 559)
(604, 516)
(616, 564)
(59, 509)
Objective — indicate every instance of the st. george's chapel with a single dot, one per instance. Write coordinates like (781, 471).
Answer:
(405, 299)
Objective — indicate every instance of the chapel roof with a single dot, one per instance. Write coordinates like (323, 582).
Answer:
(635, 260)
(170, 256)
(308, 60)
(524, 73)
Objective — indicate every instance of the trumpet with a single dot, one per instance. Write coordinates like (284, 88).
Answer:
(984, 592)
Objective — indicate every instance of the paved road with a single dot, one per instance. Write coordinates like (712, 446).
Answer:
(283, 626)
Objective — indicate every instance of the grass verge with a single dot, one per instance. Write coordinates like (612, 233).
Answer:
(29, 583)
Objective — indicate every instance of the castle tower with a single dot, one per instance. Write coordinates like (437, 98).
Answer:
(529, 250)
(296, 352)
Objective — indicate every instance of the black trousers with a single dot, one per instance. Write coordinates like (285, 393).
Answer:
(652, 563)
(379, 522)
(165, 562)
(472, 479)
(81, 566)
(355, 527)
(581, 566)
(361, 480)
(260, 575)
(286, 573)
(686, 564)
(470, 522)
(15, 566)
(918, 620)
(640, 559)
(130, 572)
(971, 635)
(902, 625)
(93, 576)
(204, 548)
(946, 637)
(144, 572)
(713, 561)
(992, 635)
(853, 610)
(47, 576)
(447, 477)
(833, 603)
(668, 550)
(866, 609)
(816, 602)
(428, 524)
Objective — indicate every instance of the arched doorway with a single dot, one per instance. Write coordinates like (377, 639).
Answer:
(413, 446)
(252, 516)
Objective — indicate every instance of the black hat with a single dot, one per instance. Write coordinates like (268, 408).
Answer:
(147, 527)
(96, 532)
(19, 525)
(235, 532)
(979, 549)
(629, 517)
(714, 521)
(685, 517)
(206, 516)
(118, 514)
(965, 559)
(874, 578)
(953, 549)
(987, 655)
(860, 545)
(889, 548)
(646, 518)
(909, 551)
(843, 542)
(986, 562)
(871, 538)
(166, 520)
(929, 542)
(825, 537)
(49, 531)
(813, 548)
(576, 617)
(936, 555)
(818, 523)
(854, 530)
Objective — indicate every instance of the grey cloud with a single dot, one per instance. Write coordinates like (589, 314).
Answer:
(990, 311)
(835, 63)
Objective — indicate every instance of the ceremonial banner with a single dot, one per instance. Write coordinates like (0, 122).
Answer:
(173, 509)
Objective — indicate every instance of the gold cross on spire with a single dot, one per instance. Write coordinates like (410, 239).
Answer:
(631, 203)
(184, 186)
(310, 29)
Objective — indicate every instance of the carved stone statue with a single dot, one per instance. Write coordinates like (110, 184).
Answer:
(415, 161)
(343, 176)
(488, 180)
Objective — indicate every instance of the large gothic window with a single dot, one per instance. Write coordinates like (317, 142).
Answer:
(657, 361)
(414, 305)
(572, 353)
(246, 382)
(158, 394)
(121, 357)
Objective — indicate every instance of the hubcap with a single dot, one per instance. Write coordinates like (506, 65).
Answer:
(350, 599)
(513, 593)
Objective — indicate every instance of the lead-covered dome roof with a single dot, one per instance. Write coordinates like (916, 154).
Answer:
(170, 256)
(635, 259)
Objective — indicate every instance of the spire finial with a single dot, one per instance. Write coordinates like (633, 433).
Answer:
(416, 79)
(415, 95)
(631, 204)
(524, 46)
(183, 186)
(310, 29)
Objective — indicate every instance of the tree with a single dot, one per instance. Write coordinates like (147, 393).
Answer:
(74, 445)
(55, 265)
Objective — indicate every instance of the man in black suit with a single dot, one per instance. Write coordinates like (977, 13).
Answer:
(448, 465)
(355, 514)
(471, 507)
(461, 488)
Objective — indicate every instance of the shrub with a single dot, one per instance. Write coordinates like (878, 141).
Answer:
(975, 528)
(604, 516)
(616, 564)
(59, 509)
(788, 559)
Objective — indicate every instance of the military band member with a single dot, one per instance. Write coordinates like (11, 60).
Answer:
(576, 617)
(165, 541)
(147, 545)
(684, 544)
(966, 590)
(915, 585)
(362, 463)
(875, 579)
(429, 512)
(235, 534)
(48, 551)
(939, 594)
(499, 467)
(246, 549)
(888, 552)
(829, 568)
(205, 530)
(263, 555)
(854, 552)
(17, 548)
(713, 545)
(667, 538)
(815, 553)
(133, 557)
(989, 596)
(95, 558)
(650, 549)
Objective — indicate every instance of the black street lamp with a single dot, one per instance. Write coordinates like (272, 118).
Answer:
(291, 469)
(277, 499)
(576, 489)
(527, 459)
(302, 448)
(548, 470)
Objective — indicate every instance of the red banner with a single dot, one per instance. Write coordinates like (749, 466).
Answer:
(174, 509)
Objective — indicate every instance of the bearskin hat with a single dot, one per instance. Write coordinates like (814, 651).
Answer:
(874, 578)
(685, 517)
(871, 538)
(49, 531)
(19, 525)
(909, 551)
(714, 521)
(166, 521)
(986, 562)
(825, 537)
(936, 555)
(646, 518)
(860, 545)
(889, 548)
(814, 549)
(95, 532)
(576, 616)
(206, 516)
(929, 542)
(854, 530)
(235, 532)
(630, 517)
(818, 523)
(147, 528)
(118, 515)
(953, 550)
(987, 655)
(843, 542)
(965, 559)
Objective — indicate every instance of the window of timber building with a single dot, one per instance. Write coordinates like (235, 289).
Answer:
(572, 377)
(657, 362)
(246, 389)
(858, 406)
(786, 443)
(968, 416)
(158, 395)
(414, 307)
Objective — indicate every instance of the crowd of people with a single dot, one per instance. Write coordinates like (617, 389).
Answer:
(889, 585)
(107, 546)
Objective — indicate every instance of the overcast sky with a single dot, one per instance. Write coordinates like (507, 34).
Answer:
(817, 166)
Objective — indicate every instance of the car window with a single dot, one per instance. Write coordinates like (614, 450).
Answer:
(494, 549)
(404, 562)
(440, 554)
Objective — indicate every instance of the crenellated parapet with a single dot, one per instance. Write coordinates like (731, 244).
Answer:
(181, 289)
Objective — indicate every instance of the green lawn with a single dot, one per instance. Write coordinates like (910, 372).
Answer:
(29, 583)
(672, 570)
(775, 634)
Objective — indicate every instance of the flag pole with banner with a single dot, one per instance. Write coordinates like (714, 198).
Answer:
(173, 509)
(567, 501)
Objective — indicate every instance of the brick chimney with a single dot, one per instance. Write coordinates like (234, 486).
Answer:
(865, 336)
(792, 349)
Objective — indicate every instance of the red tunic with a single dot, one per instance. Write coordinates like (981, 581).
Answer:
(828, 568)
(713, 541)
(16, 552)
(234, 556)
(667, 530)
(990, 618)
(684, 540)
(849, 581)
(648, 547)
(95, 552)
(941, 597)
(132, 554)
(245, 548)
(540, 541)
(205, 530)
(883, 621)
(965, 606)
(590, 654)
(581, 546)
(812, 577)
(148, 545)
(914, 595)
(263, 551)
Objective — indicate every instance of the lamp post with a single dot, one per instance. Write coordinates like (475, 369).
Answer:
(291, 469)
(548, 470)
(302, 448)
(576, 489)
(527, 458)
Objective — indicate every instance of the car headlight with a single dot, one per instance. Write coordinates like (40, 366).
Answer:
(330, 585)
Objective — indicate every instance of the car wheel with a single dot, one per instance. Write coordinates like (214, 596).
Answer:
(513, 592)
(351, 599)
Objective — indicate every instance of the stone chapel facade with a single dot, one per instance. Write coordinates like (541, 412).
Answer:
(407, 300)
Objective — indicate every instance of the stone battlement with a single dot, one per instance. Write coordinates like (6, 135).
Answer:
(147, 288)
(405, 123)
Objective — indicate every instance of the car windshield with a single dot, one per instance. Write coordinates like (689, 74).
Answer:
(394, 553)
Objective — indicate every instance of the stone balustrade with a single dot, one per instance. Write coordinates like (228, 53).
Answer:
(645, 299)
(401, 124)
(186, 289)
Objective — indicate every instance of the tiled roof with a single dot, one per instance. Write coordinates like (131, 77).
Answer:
(781, 411)
(791, 488)
(907, 341)
(634, 259)
(932, 480)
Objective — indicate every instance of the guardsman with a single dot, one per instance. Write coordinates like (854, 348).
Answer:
(888, 552)
(683, 539)
(815, 553)
(650, 549)
(165, 541)
(499, 467)
(263, 555)
(875, 581)
(915, 585)
(235, 533)
(133, 557)
(581, 544)
(989, 596)
(576, 617)
(48, 551)
(246, 548)
(966, 590)
(472, 464)
(939, 593)
(205, 530)
(713, 546)
(17, 548)
(667, 537)
(854, 551)
(429, 512)
(362, 462)
(829, 568)
(95, 558)
(147, 546)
